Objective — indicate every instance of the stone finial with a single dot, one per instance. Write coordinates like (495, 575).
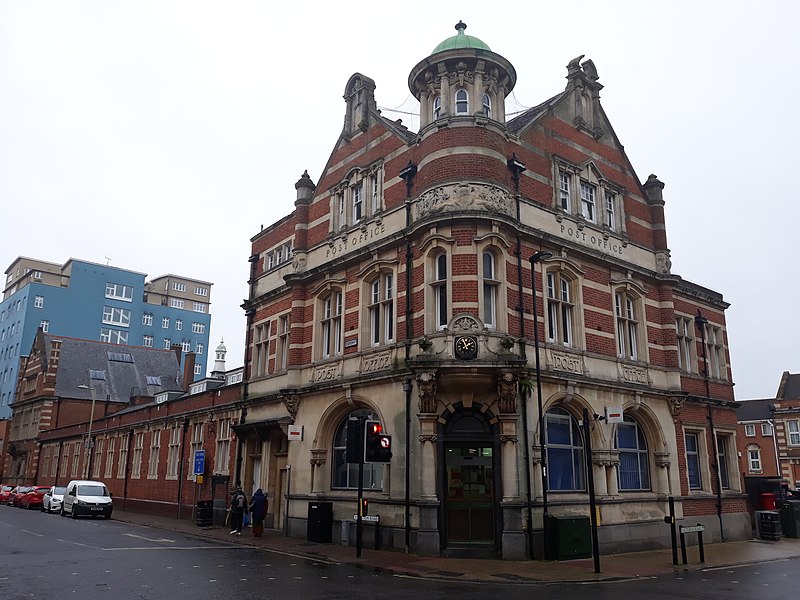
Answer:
(654, 190)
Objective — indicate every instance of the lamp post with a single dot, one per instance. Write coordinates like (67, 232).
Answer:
(89, 444)
(538, 257)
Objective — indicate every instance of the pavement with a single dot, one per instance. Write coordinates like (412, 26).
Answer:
(612, 567)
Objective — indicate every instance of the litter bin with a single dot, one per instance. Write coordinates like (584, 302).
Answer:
(790, 518)
(769, 524)
(204, 513)
(568, 537)
(320, 522)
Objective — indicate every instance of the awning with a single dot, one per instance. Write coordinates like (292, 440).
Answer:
(260, 428)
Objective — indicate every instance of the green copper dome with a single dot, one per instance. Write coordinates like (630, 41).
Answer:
(460, 40)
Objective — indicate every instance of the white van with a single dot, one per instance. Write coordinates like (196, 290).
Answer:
(89, 498)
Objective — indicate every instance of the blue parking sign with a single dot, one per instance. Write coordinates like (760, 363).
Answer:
(199, 462)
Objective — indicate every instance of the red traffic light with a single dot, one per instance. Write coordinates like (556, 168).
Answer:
(374, 427)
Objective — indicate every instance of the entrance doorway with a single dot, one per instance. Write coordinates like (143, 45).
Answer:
(470, 498)
(470, 485)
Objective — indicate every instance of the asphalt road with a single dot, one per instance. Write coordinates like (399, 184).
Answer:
(48, 557)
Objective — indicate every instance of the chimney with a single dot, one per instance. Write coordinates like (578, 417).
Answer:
(188, 371)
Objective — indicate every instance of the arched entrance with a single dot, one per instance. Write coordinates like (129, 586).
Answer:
(470, 485)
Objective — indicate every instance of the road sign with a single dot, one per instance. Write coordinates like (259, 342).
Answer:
(368, 518)
(693, 529)
(199, 462)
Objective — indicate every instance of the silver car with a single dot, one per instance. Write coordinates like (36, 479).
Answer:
(51, 503)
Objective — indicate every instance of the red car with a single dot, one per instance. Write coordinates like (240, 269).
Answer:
(5, 490)
(33, 498)
(15, 494)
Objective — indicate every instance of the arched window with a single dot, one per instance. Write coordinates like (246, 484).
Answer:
(491, 285)
(345, 474)
(565, 462)
(634, 463)
(627, 314)
(560, 309)
(331, 324)
(381, 291)
(439, 285)
(462, 102)
(437, 107)
(487, 105)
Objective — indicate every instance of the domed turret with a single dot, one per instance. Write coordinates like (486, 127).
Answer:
(219, 361)
(462, 78)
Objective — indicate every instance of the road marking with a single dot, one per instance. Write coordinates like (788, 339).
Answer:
(174, 548)
(141, 537)
(32, 532)
(749, 564)
(76, 543)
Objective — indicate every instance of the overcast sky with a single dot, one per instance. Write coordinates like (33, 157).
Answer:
(159, 136)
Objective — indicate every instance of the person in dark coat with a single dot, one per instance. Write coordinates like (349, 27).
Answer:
(238, 510)
(258, 509)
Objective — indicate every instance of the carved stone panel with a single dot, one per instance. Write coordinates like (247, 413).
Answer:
(328, 372)
(630, 374)
(463, 196)
(379, 361)
(426, 385)
(567, 362)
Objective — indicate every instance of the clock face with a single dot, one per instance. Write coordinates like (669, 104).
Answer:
(466, 347)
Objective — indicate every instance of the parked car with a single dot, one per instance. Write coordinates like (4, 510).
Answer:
(51, 502)
(89, 498)
(33, 498)
(5, 490)
(15, 496)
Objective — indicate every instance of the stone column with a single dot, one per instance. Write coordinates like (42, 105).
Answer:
(661, 480)
(509, 461)
(318, 460)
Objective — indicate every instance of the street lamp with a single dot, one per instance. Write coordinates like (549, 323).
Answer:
(89, 440)
(538, 257)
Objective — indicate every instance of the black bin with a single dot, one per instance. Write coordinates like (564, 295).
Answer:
(769, 524)
(204, 513)
(320, 522)
(790, 518)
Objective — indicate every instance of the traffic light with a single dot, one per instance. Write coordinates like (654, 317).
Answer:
(354, 452)
(377, 445)
(364, 507)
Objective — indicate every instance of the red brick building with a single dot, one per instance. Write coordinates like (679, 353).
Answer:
(128, 416)
(400, 289)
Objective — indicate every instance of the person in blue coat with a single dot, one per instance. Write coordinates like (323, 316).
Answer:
(258, 511)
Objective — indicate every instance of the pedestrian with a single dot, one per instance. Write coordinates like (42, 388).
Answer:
(258, 511)
(238, 510)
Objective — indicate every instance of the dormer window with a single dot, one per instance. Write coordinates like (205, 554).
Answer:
(358, 197)
(437, 107)
(462, 102)
(583, 191)
(487, 105)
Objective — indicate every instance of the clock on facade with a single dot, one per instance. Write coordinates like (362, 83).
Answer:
(466, 347)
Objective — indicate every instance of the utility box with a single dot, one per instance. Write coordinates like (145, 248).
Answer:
(320, 522)
(768, 525)
(568, 537)
(790, 518)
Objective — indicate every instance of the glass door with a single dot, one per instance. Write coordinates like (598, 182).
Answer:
(470, 494)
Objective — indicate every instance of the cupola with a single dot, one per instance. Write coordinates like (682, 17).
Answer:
(462, 78)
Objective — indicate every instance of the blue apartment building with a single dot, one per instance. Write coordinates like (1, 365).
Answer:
(85, 300)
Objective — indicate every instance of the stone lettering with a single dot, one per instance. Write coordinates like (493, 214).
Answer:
(595, 241)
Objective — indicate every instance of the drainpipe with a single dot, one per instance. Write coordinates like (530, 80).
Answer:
(183, 460)
(127, 468)
(701, 322)
(408, 176)
(517, 168)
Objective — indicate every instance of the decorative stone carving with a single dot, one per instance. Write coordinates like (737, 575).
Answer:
(428, 438)
(464, 196)
(292, 404)
(318, 456)
(507, 392)
(465, 324)
(663, 263)
(662, 459)
(630, 374)
(426, 385)
(676, 404)
(564, 361)
(299, 262)
(508, 438)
